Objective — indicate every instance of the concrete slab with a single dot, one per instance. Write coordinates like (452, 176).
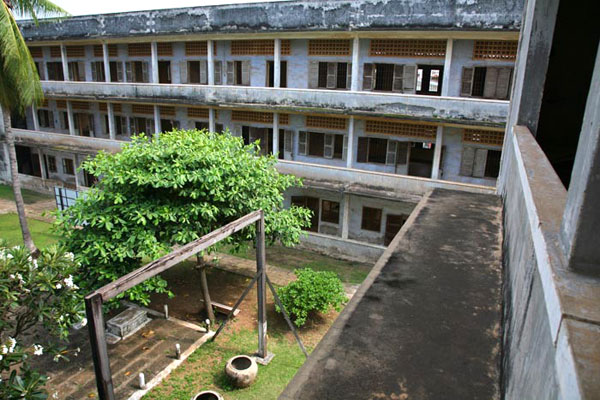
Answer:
(426, 322)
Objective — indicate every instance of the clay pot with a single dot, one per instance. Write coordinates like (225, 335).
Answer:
(241, 370)
(207, 395)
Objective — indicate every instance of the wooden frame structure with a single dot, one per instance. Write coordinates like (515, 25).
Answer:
(94, 300)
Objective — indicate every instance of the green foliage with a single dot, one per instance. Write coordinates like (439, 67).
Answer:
(167, 190)
(312, 291)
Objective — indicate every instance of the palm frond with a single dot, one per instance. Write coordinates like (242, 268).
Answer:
(37, 8)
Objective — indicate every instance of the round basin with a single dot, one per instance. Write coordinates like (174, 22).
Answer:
(207, 395)
(241, 370)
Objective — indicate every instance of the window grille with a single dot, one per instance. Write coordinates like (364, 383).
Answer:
(113, 50)
(167, 110)
(75, 51)
(198, 112)
(44, 103)
(407, 48)
(104, 107)
(36, 52)
(329, 47)
(424, 131)
(479, 136)
(80, 105)
(55, 51)
(258, 47)
(252, 116)
(315, 121)
(61, 104)
(142, 109)
(505, 50)
(198, 48)
(139, 49)
(164, 49)
(284, 119)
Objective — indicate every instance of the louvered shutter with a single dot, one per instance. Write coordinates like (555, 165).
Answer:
(145, 77)
(95, 72)
(409, 79)
(503, 85)
(479, 163)
(237, 130)
(218, 73)
(246, 73)
(149, 125)
(363, 148)
(398, 72)
(119, 65)
(331, 75)
(328, 145)
(51, 119)
(349, 76)
(345, 148)
(92, 125)
(132, 126)
(203, 72)
(390, 157)
(81, 71)
(313, 74)
(302, 136)
(466, 163)
(402, 153)
(288, 137)
(466, 86)
(368, 81)
(124, 126)
(128, 72)
(491, 80)
(183, 71)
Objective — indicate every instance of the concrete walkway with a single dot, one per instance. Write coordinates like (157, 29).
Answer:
(426, 322)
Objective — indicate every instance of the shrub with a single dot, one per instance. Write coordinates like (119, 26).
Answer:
(312, 291)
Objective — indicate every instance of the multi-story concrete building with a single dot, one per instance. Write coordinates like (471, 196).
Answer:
(371, 103)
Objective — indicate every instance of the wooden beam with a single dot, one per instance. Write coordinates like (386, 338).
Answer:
(93, 309)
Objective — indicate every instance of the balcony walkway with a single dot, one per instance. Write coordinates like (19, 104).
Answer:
(426, 322)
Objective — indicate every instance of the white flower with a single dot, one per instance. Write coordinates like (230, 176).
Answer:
(1, 357)
(61, 318)
(83, 322)
(56, 358)
(55, 395)
(70, 256)
(13, 344)
(9, 256)
(207, 321)
(38, 350)
(58, 286)
(29, 259)
(69, 282)
(35, 264)
(12, 276)
(4, 349)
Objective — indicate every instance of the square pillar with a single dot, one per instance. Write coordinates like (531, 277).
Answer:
(154, 59)
(106, 62)
(111, 121)
(76, 165)
(65, 63)
(447, 66)
(212, 125)
(350, 145)
(157, 127)
(34, 116)
(355, 64)
(437, 153)
(42, 163)
(345, 215)
(275, 133)
(210, 62)
(277, 66)
(70, 118)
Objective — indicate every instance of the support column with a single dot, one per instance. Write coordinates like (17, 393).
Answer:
(65, 63)
(275, 133)
(355, 64)
(70, 118)
(210, 61)
(93, 310)
(261, 290)
(106, 62)
(111, 121)
(447, 66)
(345, 216)
(437, 153)
(277, 64)
(75, 165)
(212, 125)
(350, 149)
(154, 60)
(582, 216)
(42, 163)
(157, 127)
(34, 115)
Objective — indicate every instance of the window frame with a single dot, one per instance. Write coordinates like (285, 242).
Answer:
(368, 225)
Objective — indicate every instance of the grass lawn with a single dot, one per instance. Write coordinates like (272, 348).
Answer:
(10, 230)
(292, 258)
(29, 196)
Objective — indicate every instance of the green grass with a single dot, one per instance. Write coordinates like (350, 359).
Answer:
(10, 230)
(292, 258)
(29, 196)
(203, 370)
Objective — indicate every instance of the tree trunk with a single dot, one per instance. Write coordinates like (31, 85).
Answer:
(16, 183)
(204, 287)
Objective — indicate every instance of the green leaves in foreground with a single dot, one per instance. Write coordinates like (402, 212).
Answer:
(167, 190)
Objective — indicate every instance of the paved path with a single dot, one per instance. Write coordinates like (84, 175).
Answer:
(426, 322)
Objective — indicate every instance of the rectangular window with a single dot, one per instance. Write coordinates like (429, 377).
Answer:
(478, 82)
(51, 163)
(322, 75)
(492, 164)
(55, 71)
(384, 77)
(316, 142)
(65, 120)
(76, 71)
(164, 71)
(332, 75)
(46, 119)
(486, 82)
(371, 219)
(120, 125)
(68, 166)
(342, 75)
(330, 211)
(282, 74)
(202, 125)
(98, 71)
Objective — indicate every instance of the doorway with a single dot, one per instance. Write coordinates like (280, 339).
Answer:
(429, 79)
(164, 72)
(421, 159)
(312, 203)
(392, 226)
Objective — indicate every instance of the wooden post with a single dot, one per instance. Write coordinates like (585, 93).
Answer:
(261, 288)
(93, 309)
(204, 287)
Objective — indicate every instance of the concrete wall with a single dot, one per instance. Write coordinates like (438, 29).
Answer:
(344, 249)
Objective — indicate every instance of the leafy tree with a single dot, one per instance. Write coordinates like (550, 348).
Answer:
(19, 84)
(167, 190)
(312, 291)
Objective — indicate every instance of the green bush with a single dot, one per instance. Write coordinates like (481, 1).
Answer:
(312, 291)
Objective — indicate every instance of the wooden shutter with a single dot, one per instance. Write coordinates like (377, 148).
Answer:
(466, 163)
(466, 86)
(313, 74)
(288, 137)
(390, 157)
(203, 72)
(132, 126)
(80, 71)
(368, 73)
(218, 73)
(363, 148)
(92, 125)
(479, 163)
(145, 77)
(331, 75)
(128, 71)
(237, 130)
(409, 79)
(246, 73)
(120, 72)
(503, 85)
(491, 80)
(230, 73)
(349, 76)
(183, 72)
(402, 153)
(150, 125)
(302, 136)
(95, 72)
(328, 145)
(398, 72)
(345, 148)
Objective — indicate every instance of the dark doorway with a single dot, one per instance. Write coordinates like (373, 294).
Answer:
(281, 144)
(27, 162)
(166, 125)
(312, 203)
(393, 224)
(164, 72)
(420, 161)
(429, 79)
(282, 74)
(384, 77)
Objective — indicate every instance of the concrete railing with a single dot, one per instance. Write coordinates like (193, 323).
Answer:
(61, 141)
(465, 111)
(551, 314)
